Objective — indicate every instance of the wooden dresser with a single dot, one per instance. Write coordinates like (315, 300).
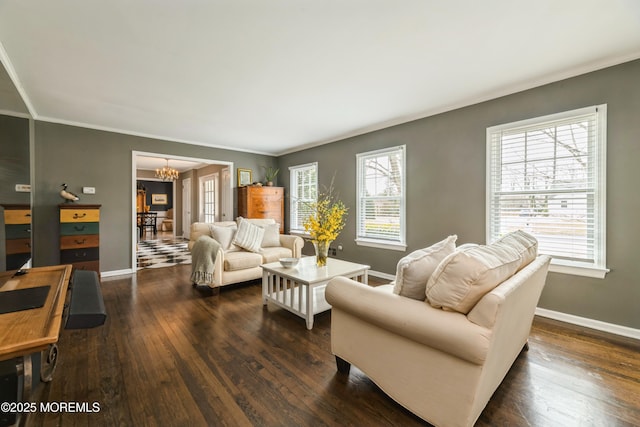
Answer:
(17, 227)
(80, 236)
(262, 202)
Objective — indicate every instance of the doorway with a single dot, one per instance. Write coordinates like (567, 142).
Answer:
(183, 199)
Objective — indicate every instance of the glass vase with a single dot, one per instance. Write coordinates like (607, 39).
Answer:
(322, 251)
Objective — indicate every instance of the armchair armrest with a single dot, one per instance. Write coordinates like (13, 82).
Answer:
(295, 243)
(447, 331)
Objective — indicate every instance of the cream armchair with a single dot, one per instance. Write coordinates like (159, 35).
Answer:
(441, 365)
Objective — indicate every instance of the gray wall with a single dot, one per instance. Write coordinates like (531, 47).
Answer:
(446, 184)
(86, 157)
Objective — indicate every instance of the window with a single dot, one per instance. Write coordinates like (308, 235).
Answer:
(546, 176)
(304, 192)
(208, 198)
(381, 198)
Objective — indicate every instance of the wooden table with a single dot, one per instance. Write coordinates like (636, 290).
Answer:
(25, 332)
(300, 289)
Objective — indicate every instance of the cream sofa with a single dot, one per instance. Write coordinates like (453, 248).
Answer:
(442, 365)
(233, 264)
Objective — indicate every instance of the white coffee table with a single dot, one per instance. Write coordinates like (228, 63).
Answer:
(300, 289)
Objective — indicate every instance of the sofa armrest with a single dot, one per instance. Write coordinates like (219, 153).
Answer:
(295, 243)
(447, 331)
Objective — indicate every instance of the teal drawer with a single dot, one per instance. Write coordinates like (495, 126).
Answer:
(75, 228)
(17, 231)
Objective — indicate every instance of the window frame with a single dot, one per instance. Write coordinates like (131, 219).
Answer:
(293, 206)
(597, 268)
(401, 244)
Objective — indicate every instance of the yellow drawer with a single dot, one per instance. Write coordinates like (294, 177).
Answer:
(79, 215)
(17, 216)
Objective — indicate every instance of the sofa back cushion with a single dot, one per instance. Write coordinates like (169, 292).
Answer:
(413, 271)
(224, 236)
(524, 243)
(271, 235)
(463, 277)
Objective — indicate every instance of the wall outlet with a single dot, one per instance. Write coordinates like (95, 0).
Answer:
(89, 190)
(23, 188)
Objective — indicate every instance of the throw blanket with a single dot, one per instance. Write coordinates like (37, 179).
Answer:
(203, 260)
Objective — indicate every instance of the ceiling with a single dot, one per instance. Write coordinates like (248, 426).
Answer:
(153, 163)
(277, 76)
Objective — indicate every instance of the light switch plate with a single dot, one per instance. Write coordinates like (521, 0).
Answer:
(89, 190)
(23, 188)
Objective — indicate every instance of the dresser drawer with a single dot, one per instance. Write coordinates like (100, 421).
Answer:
(17, 231)
(17, 216)
(74, 229)
(79, 215)
(70, 256)
(18, 246)
(80, 241)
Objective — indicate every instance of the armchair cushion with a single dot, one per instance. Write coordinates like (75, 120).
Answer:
(413, 271)
(249, 236)
(465, 276)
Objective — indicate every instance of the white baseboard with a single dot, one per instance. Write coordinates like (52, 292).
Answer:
(590, 323)
(117, 272)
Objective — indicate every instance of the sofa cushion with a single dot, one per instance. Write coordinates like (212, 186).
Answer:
(261, 222)
(224, 236)
(271, 235)
(524, 243)
(465, 276)
(275, 253)
(249, 236)
(241, 260)
(413, 271)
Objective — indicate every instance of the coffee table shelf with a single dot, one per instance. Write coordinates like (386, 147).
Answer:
(300, 289)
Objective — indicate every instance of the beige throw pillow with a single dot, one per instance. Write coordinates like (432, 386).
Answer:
(249, 236)
(271, 235)
(414, 270)
(465, 276)
(224, 236)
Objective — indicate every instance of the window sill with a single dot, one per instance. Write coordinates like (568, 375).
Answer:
(381, 244)
(577, 269)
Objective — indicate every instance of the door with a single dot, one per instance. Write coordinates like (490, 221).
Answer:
(186, 207)
(209, 200)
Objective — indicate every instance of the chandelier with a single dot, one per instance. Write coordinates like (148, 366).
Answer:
(167, 173)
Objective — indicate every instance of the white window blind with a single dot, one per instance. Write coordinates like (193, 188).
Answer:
(304, 192)
(381, 198)
(546, 177)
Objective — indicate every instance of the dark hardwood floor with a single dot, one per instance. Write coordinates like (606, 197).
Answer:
(171, 355)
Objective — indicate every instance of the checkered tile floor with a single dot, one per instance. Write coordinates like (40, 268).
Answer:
(162, 253)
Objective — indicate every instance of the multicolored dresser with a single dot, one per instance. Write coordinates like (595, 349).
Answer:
(80, 236)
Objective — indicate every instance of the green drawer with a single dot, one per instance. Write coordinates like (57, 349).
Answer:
(76, 228)
(17, 231)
